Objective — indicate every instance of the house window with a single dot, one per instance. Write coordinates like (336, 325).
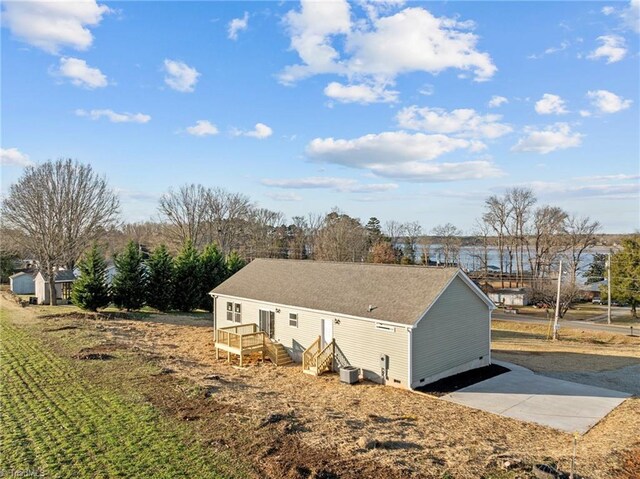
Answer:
(237, 312)
(230, 312)
(293, 320)
(384, 327)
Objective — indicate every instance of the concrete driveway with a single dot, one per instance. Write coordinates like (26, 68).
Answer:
(523, 395)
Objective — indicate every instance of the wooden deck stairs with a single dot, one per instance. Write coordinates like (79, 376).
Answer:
(317, 359)
(246, 341)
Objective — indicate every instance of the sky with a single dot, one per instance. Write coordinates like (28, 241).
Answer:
(407, 111)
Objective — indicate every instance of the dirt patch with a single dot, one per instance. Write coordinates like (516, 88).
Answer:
(98, 353)
(87, 315)
(61, 328)
(462, 380)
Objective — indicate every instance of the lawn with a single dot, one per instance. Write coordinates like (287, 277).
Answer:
(57, 423)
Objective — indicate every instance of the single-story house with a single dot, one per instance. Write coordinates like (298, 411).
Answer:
(22, 283)
(591, 291)
(404, 326)
(510, 296)
(64, 282)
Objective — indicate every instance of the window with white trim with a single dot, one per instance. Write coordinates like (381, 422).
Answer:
(234, 312)
(293, 320)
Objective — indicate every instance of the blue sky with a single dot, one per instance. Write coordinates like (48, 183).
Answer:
(406, 111)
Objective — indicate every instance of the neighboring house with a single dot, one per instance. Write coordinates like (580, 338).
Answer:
(110, 272)
(64, 282)
(405, 326)
(510, 297)
(22, 283)
(591, 291)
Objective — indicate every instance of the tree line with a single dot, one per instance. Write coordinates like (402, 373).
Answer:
(57, 209)
(159, 281)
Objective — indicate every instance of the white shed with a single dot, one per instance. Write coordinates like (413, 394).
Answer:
(404, 326)
(64, 282)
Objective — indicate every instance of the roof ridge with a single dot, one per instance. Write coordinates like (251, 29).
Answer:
(357, 263)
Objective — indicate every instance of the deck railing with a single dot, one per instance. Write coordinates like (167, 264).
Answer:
(310, 353)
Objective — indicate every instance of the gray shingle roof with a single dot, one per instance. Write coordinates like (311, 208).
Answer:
(62, 276)
(399, 294)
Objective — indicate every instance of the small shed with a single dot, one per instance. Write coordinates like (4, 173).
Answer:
(64, 279)
(510, 297)
(404, 326)
(22, 283)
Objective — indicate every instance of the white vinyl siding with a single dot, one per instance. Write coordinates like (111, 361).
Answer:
(453, 336)
(360, 341)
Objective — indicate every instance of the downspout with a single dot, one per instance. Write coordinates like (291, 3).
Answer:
(214, 316)
(410, 342)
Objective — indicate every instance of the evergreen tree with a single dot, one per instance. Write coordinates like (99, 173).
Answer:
(597, 269)
(625, 273)
(187, 283)
(129, 285)
(213, 272)
(160, 284)
(234, 263)
(90, 290)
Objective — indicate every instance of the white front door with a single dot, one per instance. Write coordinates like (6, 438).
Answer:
(327, 331)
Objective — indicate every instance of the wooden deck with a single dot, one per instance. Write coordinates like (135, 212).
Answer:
(246, 339)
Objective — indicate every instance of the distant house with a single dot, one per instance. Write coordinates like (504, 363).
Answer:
(110, 272)
(404, 326)
(510, 296)
(64, 282)
(591, 291)
(22, 283)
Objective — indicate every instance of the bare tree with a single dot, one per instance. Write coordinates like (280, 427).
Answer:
(496, 215)
(59, 208)
(412, 232)
(520, 201)
(546, 241)
(449, 243)
(227, 217)
(341, 238)
(185, 210)
(581, 235)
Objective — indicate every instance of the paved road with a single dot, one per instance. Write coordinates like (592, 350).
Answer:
(584, 325)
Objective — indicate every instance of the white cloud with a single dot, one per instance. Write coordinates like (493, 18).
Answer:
(360, 93)
(551, 50)
(260, 131)
(284, 196)
(202, 128)
(631, 16)
(380, 49)
(439, 172)
(613, 48)
(427, 89)
(607, 102)
(114, 117)
(52, 25)
(462, 122)
(574, 188)
(80, 74)
(180, 76)
(608, 10)
(554, 137)
(403, 155)
(585, 113)
(238, 25)
(551, 105)
(497, 101)
(14, 157)
(342, 185)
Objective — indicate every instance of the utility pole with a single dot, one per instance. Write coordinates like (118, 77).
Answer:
(609, 287)
(557, 316)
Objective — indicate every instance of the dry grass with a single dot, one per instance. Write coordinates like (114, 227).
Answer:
(417, 435)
